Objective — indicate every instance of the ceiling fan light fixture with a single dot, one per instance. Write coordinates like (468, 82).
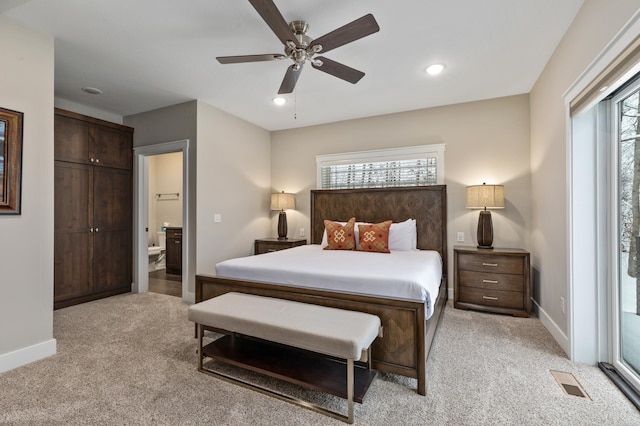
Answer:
(434, 69)
(279, 100)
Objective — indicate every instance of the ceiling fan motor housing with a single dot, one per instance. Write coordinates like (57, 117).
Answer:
(300, 55)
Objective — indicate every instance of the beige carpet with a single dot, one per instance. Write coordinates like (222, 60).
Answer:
(131, 359)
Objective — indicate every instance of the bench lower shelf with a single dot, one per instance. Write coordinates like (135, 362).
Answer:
(304, 368)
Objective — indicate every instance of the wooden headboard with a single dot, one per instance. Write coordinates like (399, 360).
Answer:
(426, 204)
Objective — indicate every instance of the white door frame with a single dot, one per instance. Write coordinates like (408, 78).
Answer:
(141, 212)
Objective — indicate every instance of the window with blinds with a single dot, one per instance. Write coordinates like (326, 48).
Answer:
(423, 165)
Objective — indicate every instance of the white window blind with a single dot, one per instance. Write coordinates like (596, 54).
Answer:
(421, 165)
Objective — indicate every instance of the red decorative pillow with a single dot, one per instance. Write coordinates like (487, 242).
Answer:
(340, 237)
(374, 237)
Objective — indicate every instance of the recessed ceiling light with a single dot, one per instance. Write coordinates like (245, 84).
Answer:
(92, 90)
(434, 69)
(279, 100)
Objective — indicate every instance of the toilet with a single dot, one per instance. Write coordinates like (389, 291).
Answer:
(157, 258)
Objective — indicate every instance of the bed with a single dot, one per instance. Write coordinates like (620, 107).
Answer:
(407, 337)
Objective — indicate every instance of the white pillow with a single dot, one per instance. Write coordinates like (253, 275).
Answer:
(403, 236)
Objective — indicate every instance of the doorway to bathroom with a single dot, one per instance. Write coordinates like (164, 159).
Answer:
(161, 243)
(165, 220)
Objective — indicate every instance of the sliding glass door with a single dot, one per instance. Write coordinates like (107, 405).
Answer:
(626, 215)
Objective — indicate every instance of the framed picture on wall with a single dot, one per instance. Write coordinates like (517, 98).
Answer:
(10, 161)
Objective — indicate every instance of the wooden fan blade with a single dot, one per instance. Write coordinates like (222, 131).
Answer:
(353, 31)
(249, 58)
(290, 79)
(339, 70)
(272, 16)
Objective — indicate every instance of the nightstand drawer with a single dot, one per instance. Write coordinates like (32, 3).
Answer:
(268, 245)
(490, 263)
(498, 298)
(507, 282)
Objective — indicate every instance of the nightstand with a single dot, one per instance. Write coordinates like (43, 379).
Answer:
(492, 280)
(266, 245)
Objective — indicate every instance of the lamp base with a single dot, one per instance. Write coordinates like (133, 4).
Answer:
(282, 226)
(485, 230)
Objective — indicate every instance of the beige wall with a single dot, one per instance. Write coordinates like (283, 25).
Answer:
(229, 173)
(170, 124)
(486, 141)
(234, 176)
(595, 25)
(26, 251)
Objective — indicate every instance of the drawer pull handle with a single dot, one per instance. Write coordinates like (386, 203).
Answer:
(490, 281)
(489, 264)
(489, 298)
(270, 250)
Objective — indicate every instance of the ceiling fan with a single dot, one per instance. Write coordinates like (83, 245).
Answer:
(301, 48)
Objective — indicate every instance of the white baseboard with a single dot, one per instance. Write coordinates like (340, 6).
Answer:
(27, 355)
(556, 332)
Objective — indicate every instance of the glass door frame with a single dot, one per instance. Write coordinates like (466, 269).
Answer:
(615, 302)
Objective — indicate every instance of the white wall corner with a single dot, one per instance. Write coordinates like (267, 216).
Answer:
(189, 298)
(552, 327)
(27, 355)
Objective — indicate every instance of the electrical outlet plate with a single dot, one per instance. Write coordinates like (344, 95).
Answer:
(302, 232)
(460, 237)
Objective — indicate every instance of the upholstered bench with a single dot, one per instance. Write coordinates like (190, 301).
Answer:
(280, 330)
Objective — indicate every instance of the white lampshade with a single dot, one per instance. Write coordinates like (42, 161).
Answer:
(283, 201)
(485, 196)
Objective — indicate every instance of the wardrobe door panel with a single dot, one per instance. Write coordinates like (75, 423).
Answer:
(112, 147)
(73, 271)
(73, 254)
(112, 199)
(112, 260)
(71, 140)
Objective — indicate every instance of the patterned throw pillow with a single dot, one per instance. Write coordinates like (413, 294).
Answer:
(340, 237)
(374, 237)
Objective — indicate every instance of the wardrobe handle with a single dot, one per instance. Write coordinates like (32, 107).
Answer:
(91, 159)
(97, 160)
(489, 264)
(490, 281)
(90, 229)
(97, 229)
(489, 298)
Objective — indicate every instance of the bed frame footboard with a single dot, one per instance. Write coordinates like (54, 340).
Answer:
(406, 337)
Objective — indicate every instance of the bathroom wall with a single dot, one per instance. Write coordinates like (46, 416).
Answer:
(165, 177)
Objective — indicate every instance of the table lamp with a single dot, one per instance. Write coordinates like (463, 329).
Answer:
(282, 201)
(485, 197)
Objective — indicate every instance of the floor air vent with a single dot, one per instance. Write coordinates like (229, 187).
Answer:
(569, 384)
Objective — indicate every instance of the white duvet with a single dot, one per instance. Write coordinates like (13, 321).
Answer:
(411, 275)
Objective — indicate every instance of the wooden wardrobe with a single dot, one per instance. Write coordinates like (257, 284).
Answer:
(93, 208)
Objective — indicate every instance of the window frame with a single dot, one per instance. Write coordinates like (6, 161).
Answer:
(382, 155)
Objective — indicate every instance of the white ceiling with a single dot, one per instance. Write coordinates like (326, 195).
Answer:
(147, 54)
